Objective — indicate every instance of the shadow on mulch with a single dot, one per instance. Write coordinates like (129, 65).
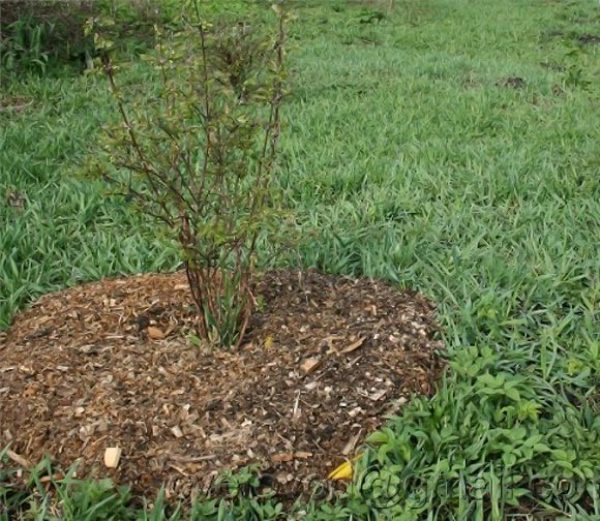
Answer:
(109, 364)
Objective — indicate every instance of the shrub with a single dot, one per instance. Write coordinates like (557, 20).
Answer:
(200, 157)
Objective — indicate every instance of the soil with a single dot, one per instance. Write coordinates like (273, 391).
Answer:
(513, 82)
(111, 364)
(589, 39)
(14, 104)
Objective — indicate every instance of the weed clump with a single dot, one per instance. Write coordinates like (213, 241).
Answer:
(34, 33)
(40, 35)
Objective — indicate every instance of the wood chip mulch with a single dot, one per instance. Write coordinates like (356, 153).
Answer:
(109, 364)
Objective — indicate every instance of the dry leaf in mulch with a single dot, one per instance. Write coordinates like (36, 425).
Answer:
(109, 365)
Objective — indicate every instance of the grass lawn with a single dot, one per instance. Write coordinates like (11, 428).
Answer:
(450, 146)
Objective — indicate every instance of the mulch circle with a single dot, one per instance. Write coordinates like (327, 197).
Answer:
(110, 364)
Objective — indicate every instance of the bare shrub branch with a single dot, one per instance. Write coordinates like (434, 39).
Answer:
(200, 157)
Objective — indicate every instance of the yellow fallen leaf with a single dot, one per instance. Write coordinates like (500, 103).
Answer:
(345, 470)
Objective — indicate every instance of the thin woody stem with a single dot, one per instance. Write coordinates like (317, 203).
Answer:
(205, 158)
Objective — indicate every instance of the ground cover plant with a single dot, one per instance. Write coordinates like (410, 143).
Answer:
(445, 146)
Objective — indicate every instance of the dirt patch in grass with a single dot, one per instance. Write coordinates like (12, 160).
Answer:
(589, 39)
(512, 82)
(109, 364)
(14, 104)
